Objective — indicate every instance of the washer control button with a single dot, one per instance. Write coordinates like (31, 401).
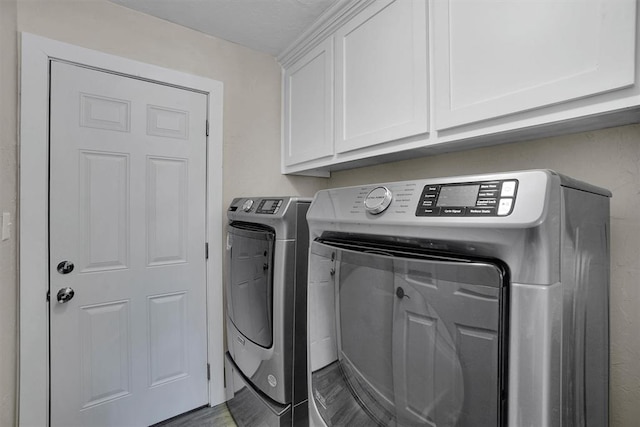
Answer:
(378, 200)
(504, 207)
(508, 189)
(461, 211)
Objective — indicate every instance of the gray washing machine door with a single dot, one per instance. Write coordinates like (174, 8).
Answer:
(419, 339)
(250, 285)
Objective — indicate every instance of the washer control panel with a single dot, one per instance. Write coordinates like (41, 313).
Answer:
(486, 198)
(262, 206)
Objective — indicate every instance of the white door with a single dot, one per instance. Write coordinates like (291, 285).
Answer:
(127, 209)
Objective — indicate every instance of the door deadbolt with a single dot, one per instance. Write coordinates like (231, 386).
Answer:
(65, 267)
(401, 294)
(65, 295)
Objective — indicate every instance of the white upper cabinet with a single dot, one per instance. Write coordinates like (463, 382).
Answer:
(495, 58)
(416, 77)
(381, 75)
(308, 106)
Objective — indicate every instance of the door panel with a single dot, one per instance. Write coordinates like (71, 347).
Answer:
(104, 220)
(167, 327)
(127, 208)
(106, 359)
(167, 208)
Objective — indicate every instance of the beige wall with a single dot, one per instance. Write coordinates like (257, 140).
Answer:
(251, 80)
(609, 158)
(8, 195)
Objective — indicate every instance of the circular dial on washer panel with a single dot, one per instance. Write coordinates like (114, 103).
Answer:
(246, 206)
(378, 200)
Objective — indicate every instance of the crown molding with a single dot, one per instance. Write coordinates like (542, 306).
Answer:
(332, 19)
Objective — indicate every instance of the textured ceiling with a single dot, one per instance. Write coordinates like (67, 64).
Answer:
(268, 26)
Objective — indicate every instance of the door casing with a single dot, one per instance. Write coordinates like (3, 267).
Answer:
(33, 352)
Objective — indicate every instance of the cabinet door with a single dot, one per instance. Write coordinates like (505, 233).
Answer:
(494, 58)
(308, 106)
(381, 75)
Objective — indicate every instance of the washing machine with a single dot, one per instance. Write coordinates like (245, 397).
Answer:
(266, 291)
(463, 301)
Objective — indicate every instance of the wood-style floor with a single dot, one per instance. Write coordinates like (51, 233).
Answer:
(218, 416)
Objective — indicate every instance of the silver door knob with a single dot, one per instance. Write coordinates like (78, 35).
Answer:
(65, 267)
(65, 295)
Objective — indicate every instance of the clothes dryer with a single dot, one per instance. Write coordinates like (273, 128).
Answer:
(465, 301)
(266, 284)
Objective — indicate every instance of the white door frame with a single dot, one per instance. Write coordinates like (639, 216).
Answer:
(33, 356)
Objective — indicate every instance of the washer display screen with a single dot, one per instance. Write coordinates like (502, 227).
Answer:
(458, 195)
(269, 206)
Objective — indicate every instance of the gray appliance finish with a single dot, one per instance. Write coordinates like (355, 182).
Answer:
(266, 290)
(463, 301)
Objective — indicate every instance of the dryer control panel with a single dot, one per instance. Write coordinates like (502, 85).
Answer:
(269, 206)
(485, 198)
